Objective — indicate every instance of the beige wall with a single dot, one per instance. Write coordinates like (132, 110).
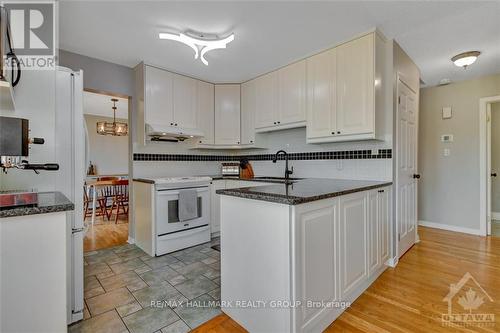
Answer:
(495, 157)
(108, 153)
(449, 187)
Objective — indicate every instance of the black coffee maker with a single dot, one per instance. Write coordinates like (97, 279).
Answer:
(14, 146)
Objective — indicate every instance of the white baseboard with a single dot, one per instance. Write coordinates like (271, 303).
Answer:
(495, 215)
(450, 227)
(130, 240)
(392, 262)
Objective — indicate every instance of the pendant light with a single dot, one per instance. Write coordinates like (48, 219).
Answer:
(115, 128)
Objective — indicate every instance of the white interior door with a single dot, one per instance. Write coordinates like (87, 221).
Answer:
(406, 166)
(490, 173)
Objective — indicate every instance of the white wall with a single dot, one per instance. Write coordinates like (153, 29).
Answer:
(495, 157)
(108, 153)
(35, 101)
(449, 187)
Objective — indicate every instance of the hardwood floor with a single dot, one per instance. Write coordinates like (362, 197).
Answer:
(409, 298)
(105, 234)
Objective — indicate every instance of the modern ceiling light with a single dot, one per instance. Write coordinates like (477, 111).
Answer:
(199, 44)
(115, 128)
(465, 59)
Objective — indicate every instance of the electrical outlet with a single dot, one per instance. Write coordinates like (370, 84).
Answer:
(447, 152)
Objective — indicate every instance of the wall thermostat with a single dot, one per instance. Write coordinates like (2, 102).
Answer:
(446, 112)
(447, 138)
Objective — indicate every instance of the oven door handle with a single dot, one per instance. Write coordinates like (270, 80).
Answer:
(184, 233)
(170, 192)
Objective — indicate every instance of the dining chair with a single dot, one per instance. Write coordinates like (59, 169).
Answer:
(120, 198)
(87, 203)
(105, 200)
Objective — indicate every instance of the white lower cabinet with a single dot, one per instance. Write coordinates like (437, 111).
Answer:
(340, 246)
(353, 241)
(316, 269)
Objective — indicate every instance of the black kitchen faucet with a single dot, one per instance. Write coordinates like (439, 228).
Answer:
(287, 172)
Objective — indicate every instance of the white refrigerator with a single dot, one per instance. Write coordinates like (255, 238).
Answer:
(70, 154)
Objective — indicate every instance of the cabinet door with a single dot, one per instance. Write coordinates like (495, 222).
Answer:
(292, 93)
(215, 204)
(158, 106)
(227, 114)
(374, 259)
(321, 94)
(184, 101)
(205, 111)
(248, 113)
(316, 271)
(355, 86)
(353, 242)
(266, 100)
(384, 216)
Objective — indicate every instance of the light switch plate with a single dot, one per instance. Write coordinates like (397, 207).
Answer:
(447, 152)
(447, 138)
(446, 112)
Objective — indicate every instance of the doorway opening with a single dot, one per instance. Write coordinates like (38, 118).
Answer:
(106, 189)
(487, 162)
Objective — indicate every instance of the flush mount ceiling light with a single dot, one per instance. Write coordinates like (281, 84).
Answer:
(465, 59)
(115, 128)
(200, 44)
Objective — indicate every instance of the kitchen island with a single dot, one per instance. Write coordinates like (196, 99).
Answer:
(293, 256)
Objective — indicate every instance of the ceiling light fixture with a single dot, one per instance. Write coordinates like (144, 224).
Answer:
(465, 59)
(115, 128)
(200, 45)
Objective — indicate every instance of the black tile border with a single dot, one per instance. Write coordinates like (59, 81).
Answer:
(323, 155)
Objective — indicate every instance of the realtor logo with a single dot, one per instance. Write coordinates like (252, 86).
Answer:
(468, 295)
(32, 32)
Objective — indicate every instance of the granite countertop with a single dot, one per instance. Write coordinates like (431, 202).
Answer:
(302, 191)
(48, 202)
(263, 179)
(144, 180)
(278, 180)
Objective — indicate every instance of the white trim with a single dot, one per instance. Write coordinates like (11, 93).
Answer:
(130, 240)
(483, 168)
(450, 228)
(392, 262)
(495, 215)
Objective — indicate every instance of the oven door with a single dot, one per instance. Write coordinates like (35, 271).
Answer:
(167, 219)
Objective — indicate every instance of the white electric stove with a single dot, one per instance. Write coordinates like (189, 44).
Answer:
(171, 234)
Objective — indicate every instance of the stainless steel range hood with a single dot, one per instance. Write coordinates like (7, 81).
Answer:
(159, 132)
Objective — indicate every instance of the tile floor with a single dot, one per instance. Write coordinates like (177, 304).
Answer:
(126, 290)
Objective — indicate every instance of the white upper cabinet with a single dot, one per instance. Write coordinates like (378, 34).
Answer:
(158, 106)
(346, 99)
(184, 100)
(248, 113)
(321, 121)
(292, 94)
(227, 114)
(205, 112)
(266, 95)
(280, 98)
(355, 82)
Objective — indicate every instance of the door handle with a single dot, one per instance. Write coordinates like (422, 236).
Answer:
(493, 174)
(416, 176)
